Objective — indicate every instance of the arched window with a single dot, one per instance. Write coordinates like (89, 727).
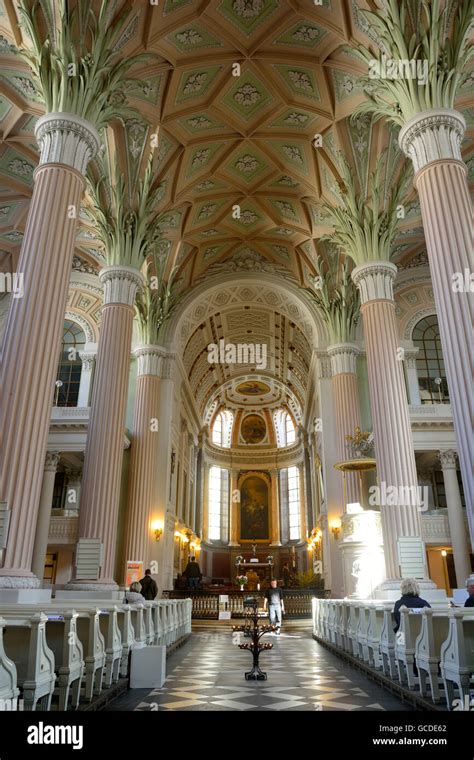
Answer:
(284, 427)
(218, 503)
(430, 362)
(290, 512)
(70, 365)
(222, 429)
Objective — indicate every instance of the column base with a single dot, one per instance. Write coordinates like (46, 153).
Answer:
(81, 594)
(389, 590)
(18, 579)
(102, 585)
(25, 595)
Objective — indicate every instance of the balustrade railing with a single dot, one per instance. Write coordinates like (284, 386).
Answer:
(297, 602)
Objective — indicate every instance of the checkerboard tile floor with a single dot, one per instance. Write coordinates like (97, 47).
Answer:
(207, 673)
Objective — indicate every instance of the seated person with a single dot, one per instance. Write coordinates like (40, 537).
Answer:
(470, 590)
(134, 596)
(411, 598)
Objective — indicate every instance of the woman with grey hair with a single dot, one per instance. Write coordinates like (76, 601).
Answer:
(470, 590)
(133, 596)
(411, 598)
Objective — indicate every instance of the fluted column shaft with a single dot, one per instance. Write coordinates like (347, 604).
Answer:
(144, 453)
(462, 563)
(234, 508)
(396, 466)
(347, 408)
(44, 514)
(34, 327)
(105, 439)
(275, 523)
(433, 141)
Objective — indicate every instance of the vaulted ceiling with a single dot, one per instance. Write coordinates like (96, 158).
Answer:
(238, 89)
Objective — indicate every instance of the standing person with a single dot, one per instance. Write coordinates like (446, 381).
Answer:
(286, 575)
(193, 573)
(274, 599)
(149, 587)
(470, 590)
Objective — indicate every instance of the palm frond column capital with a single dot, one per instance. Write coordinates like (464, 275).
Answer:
(121, 284)
(439, 34)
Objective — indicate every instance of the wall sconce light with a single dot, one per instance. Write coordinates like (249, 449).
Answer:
(157, 529)
(336, 529)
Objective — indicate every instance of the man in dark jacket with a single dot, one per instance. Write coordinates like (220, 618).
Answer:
(470, 590)
(149, 587)
(410, 598)
(193, 573)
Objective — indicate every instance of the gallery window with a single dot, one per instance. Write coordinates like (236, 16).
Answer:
(218, 502)
(284, 427)
(430, 362)
(70, 365)
(290, 512)
(222, 429)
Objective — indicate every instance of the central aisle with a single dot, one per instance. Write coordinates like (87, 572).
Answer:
(207, 673)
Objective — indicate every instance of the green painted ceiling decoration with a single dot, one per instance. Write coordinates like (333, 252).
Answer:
(281, 231)
(299, 80)
(195, 83)
(6, 213)
(22, 83)
(171, 221)
(285, 181)
(304, 34)
(247, 15)
(201, 156)
(211, 251)
(293, 154)
(174, 5)
(199, 123)
(281, 250)
(149, 90)
(249, 217)
(286, 209)
(247, 96)
(209, 233)
(16, 165)
(5, 107)
(206, 211)
(192, 37)
(246, 164)
(294, 118)
(345, 85)
(360, 136)
(14, 237)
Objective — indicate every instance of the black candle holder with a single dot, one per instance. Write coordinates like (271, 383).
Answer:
(252, 630)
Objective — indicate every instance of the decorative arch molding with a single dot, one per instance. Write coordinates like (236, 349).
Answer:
(227, 292)
(87, 326)
(413, 321)
(84, 281)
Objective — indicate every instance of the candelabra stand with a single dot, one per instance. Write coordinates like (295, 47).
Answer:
(252, 630)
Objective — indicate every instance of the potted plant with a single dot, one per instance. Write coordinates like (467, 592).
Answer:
(242, 580)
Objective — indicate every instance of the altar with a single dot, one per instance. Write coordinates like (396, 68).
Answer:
(263, 571)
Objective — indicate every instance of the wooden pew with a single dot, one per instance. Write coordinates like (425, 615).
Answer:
(434, 631)
(457, 654)
(405, 639)
(352, 628)
(361, 633)
(88, 630)
(387, 642)
(9, 690)
(25, 643)
(374, 630)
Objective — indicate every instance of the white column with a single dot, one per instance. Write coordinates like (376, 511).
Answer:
(275, 514)
(410, 356)
(432, 140)
(87, 358)
(44, 514)
(457, 527)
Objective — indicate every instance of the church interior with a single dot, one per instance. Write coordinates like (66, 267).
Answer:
(236, 350)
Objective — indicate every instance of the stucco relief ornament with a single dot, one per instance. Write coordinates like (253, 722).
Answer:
(22, 168)
(25, 86)
(248, 8)
(296, 118)
(248, 217)
(201, 157)
(189, 37)
(306, 34)
(199, 121)
(247, 95)
(301, 80)
(247, 164)
(195, 82)
(293, 153)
